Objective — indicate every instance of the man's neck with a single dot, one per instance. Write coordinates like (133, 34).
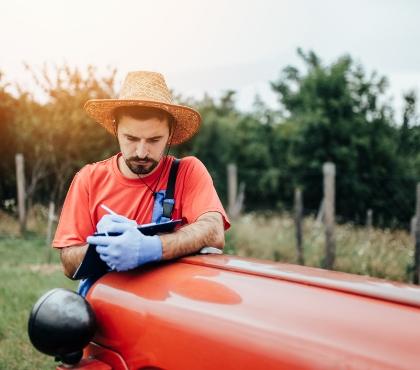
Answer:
(126, 172)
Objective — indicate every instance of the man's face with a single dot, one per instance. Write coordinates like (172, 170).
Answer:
(142, 142)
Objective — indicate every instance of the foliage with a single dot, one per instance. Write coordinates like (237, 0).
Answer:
(337, 112)
(8, 141)
(57, 137)
(341, 115)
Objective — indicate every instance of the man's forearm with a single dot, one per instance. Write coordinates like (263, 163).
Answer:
(71, 257)
(208, 230)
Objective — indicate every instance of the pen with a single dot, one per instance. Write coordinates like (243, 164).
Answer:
(109, 210)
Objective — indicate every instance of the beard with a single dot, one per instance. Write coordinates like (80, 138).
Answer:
(141, 166)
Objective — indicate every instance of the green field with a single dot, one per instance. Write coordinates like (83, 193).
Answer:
(25, 275)
(380, 253)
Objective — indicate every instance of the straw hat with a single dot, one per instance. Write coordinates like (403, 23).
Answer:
(146, 89)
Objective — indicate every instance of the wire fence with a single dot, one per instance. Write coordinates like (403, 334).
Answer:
(381, 239)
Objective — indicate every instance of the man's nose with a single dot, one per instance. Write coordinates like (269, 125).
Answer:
(142, 150)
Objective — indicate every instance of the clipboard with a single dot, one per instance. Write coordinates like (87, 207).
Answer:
(92, 265)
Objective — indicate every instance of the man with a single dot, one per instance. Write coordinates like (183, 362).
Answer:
(133, 184)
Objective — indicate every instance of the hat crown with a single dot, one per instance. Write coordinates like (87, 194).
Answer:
(146, 89)
(143, 85)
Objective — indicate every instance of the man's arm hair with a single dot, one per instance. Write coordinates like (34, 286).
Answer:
(208, 230)
(71, 258)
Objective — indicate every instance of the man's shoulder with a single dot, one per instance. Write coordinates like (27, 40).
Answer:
(192, 166)
(191, 161)
(97, 168)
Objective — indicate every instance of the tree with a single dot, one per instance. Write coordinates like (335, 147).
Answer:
(7, 148)
(57, 137)
(341, 115)
(213, 143)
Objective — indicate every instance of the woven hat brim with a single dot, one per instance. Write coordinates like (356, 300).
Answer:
(187, 119)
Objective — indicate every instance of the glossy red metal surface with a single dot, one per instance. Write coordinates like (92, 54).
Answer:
(87, 364)
(221, 312)
(105, 355)
(357, 284)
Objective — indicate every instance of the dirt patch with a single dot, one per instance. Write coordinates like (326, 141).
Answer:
(44, 268)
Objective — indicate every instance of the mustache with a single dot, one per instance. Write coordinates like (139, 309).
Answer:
(136, 159)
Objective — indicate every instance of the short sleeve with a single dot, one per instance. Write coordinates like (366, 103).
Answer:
(75, 223)
(199, 195)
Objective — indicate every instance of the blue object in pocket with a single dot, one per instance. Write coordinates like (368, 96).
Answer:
(157, 215)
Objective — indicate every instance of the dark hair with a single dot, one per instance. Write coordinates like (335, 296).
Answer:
(143, 113)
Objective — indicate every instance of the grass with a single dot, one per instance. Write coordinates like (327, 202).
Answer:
(380, 253)
(25, 276)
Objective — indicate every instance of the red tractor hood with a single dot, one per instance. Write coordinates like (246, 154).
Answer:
(223, 312)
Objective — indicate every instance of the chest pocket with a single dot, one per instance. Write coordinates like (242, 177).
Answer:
(165, 199)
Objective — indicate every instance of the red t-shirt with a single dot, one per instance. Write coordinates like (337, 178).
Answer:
(103, 183)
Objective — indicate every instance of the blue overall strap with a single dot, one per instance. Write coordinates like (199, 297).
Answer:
(158, 207)
(169, 201)
(85, 284)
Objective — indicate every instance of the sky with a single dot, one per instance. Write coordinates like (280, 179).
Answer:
(212, 46)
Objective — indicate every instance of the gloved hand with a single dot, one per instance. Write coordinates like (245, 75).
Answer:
(106, 223)
(128, 250)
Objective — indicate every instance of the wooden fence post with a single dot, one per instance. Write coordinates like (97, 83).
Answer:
(20, 183)
(416, 275)
(298, 225)
(413, 222)
(235, 199)
(329, 214)
(51, 218)
(232, 187)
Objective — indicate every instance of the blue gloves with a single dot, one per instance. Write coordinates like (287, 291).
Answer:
(128, 250)
(106, 223)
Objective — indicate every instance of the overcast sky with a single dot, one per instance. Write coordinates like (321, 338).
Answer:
(212, 46)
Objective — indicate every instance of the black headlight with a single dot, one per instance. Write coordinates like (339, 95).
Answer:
(61, 324)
